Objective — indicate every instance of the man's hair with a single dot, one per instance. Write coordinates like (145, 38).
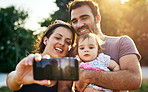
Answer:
(78, 3)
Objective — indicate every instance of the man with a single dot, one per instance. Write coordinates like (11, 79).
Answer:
(86, 18)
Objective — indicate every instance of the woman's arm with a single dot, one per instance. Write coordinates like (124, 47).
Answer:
(12, 81)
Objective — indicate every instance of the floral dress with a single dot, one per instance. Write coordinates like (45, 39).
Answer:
(99, 64)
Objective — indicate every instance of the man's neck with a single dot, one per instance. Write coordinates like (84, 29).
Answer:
(100, 34)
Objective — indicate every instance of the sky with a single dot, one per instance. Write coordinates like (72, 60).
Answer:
(37, 10)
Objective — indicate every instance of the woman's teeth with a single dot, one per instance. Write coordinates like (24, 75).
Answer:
(59, 49)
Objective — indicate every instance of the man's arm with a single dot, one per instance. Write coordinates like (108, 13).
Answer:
(128, 78)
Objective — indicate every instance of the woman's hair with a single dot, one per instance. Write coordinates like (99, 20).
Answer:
(85, 36)
(78, 3)
(58, 23)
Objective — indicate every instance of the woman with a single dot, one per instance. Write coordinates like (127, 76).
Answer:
(56, 43)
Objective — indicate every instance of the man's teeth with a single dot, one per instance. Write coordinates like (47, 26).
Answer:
(59, 49)
(83, 30)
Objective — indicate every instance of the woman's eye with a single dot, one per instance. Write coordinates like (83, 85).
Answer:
(69, 43)
(57, 38)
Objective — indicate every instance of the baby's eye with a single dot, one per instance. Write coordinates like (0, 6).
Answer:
(81, 48)
(91, 47)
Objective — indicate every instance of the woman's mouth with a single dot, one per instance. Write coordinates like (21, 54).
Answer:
(58, 50)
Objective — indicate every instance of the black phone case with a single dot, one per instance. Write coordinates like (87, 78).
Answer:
(66, 69)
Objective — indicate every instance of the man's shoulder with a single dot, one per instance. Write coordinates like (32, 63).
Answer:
(115, 39)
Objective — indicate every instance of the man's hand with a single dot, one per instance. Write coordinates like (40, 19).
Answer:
(82, 83)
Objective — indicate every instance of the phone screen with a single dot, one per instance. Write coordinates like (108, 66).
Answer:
(56, 69)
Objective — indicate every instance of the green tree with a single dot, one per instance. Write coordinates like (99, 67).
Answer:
(61, 14)
(15, 40)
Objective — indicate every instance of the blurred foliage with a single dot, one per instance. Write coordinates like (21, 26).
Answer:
(61, 14)
(16, 41)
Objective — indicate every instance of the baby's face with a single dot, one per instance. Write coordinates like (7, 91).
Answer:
(87, 49)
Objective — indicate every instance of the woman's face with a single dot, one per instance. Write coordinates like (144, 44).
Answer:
(59, 43)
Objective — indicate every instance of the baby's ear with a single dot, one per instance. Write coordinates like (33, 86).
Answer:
(45, 40)
(99, 51)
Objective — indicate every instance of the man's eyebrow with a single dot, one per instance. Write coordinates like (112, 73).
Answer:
(85, 15)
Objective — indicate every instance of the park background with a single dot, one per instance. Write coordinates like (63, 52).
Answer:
(117, 18)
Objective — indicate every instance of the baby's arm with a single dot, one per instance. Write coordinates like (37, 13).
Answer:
(113, 65)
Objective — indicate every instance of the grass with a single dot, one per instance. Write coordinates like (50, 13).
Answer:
(143, 88)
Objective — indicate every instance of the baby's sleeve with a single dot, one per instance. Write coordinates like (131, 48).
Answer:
(104, 59)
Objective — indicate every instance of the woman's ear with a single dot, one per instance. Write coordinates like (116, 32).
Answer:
(45, 40)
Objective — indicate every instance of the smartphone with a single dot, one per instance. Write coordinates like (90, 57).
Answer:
(65, 69)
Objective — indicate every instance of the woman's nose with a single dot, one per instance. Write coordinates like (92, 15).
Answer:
(61, 42)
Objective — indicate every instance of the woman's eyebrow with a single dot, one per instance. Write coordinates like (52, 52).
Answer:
(59, 34)
(62, 36)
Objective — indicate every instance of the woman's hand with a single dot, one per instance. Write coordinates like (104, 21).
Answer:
(23, 73)
(24, 70)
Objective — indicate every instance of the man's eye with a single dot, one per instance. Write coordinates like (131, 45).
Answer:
(74, 21)
(84, 18)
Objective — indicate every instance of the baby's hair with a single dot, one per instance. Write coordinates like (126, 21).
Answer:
(89, 35)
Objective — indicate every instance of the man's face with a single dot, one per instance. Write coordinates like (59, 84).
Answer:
(83, 20)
